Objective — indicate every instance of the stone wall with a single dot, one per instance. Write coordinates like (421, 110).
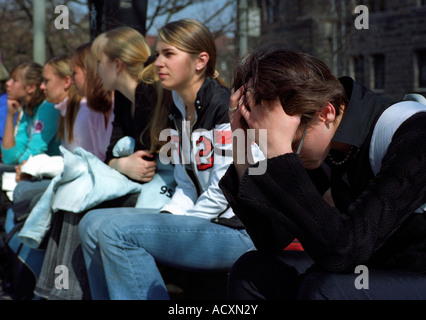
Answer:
(326, 29)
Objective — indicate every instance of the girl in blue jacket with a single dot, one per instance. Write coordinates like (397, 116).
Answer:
(37, 129)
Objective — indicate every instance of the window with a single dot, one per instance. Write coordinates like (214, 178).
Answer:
(273, 11)
(421, 69)
(379, 71)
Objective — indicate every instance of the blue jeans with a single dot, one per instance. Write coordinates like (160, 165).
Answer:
(122, 245)
(28, 189)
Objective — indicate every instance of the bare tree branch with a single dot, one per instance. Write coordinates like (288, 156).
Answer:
(216, 13)
(27, 8)
(16, 21)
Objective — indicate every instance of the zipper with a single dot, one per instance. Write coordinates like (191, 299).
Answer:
(190, 154)
(192, 162)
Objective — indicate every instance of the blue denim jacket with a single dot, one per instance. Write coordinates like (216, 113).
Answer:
(85, 183)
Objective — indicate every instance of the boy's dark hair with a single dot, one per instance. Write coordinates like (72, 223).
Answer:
(302, 82)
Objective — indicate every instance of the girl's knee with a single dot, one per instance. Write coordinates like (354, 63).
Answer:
(89, 225)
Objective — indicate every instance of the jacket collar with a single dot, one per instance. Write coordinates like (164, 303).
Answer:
(204, 96)
(361, 113)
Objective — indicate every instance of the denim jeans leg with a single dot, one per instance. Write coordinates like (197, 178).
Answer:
(130, 244)
(88, 232)
(28, 189)
(88, 228)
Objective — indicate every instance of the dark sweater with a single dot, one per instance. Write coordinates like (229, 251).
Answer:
(374, 222)
(125, 124)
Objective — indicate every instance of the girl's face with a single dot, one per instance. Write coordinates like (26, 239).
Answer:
(107, 72)
(79, 80)
(16, 88)
(54, 87)
(176, 68)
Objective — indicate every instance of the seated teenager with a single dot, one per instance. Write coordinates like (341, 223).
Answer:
(38, 125)
(86, 122)
(195, 230)
(81, 124)
(36, 130)
(126, 51)
(376, 218)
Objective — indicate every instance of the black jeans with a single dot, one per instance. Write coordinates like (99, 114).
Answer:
(293, 275)
(5, 203)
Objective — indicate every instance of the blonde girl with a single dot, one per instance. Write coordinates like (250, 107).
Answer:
(123, 65)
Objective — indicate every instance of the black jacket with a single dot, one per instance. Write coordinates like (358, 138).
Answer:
(373, 223)
(125, 124)
(197, 192)
(211, 106)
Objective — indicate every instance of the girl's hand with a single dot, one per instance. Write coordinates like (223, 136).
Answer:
(20, 176)
(136, 166)
(12, 107)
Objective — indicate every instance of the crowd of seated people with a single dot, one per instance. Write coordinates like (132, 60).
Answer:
(153, 175)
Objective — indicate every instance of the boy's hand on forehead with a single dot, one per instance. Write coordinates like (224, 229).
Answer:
(270, 115)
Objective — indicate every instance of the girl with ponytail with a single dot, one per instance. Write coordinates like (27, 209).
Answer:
(196, 230)
(124, 66)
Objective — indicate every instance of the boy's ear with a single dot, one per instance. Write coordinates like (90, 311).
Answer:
(327, 113)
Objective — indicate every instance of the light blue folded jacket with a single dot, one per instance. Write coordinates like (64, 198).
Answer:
(86, 182)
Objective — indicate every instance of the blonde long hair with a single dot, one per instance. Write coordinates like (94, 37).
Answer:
(98, 99)
(128, 45)
(61, 68)
(192, 37)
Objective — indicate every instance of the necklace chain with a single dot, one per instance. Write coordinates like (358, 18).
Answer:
(339, 163)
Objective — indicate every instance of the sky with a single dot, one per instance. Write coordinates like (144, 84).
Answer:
(199, 11)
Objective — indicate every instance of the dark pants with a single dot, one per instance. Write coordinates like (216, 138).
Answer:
(5, 203)
(292, 275)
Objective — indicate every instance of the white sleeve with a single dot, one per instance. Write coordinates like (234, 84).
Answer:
(212, 202)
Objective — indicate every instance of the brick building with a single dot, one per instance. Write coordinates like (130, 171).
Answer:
(389, 56)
